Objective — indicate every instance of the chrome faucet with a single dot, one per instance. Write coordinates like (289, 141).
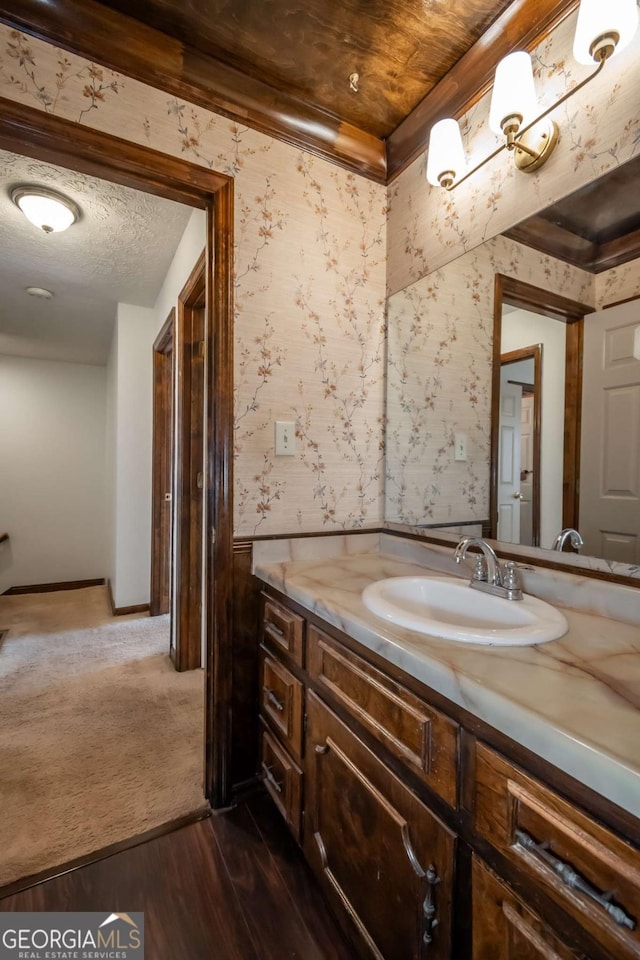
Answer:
(489, 575)
(568, 534)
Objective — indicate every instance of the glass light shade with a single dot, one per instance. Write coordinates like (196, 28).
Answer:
(597, 18)
(446, 153)
(513, 91)
(45, 209)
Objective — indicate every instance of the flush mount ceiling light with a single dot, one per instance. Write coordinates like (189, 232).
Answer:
(40, 292)
(46, 209)
(603, 29)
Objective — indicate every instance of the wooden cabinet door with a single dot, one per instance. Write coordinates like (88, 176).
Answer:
(504, 929)
(379, 851)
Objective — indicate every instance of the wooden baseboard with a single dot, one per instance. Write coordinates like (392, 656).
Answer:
(17, 886)
(53, 587)
(123, 611)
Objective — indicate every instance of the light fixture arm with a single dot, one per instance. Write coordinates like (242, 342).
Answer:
(517, 140)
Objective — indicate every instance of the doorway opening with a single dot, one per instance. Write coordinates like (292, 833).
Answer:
(61, 142)
(520, 445)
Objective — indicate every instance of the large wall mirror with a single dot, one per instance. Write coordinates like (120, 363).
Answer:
(513, 385)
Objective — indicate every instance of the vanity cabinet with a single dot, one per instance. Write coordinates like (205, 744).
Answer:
(428, 841)
(380, 852)
(504, 928)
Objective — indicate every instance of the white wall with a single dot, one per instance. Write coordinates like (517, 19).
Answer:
(521, 328)
(52, 471)
(111, 427)
(129, 436)
(134, 335)
(185, 258)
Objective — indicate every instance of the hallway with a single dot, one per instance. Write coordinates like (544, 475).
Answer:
(100, 739)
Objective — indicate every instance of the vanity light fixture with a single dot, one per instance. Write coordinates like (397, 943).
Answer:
(46, 209)
(603, 29)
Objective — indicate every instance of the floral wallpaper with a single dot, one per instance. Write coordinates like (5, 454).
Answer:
(309, 286)
(599, 129)
(619, 283)
(439, 379)
(315, 248)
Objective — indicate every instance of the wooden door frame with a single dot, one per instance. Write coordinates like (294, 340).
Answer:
(190, 438)
(162, 449)
(37, 134)
(534, 352)
(572, 312)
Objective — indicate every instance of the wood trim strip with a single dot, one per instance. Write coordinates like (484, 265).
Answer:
(572, 424)
(614, 303)
(18, 886)
(311, 533)
(162, 468)
(219, 485)
(523, 25)
(91, 30)
(136, 608)
(43, 136)
(53, 587)
(188, 573)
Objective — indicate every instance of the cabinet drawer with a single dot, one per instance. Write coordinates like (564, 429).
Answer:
(283, 629)
(381, 854)
(281, 701)
(283, 780)
(505, 928)
(423, 737)
(587, 869)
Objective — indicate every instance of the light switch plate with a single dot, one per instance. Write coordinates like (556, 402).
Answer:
(460, 447)
(285, 438)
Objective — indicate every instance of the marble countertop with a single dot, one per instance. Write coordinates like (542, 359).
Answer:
(574, 701)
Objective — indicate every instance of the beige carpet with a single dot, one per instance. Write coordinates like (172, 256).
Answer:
(100, 738)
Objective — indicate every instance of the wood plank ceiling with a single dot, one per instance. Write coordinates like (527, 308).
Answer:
(283, 66)
(399, 48)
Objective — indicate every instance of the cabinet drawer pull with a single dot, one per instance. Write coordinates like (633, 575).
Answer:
(271, 697)
(573, 880)
(277, 786)
(429, 905)
(268, 625)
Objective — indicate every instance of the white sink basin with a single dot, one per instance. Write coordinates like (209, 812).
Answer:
(449, 608)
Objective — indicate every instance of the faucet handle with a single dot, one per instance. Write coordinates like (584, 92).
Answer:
(511, 576)
(480, 569)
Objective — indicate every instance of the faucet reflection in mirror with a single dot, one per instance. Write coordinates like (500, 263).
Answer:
(603, 29)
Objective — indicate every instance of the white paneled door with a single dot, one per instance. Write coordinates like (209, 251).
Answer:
(610, 447)
(509, 463)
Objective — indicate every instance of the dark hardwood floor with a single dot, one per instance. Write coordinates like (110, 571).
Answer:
(232, 887)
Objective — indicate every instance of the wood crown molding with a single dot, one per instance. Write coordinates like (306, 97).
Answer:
(88, 29)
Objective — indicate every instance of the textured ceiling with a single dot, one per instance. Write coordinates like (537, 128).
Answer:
(119, 251)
